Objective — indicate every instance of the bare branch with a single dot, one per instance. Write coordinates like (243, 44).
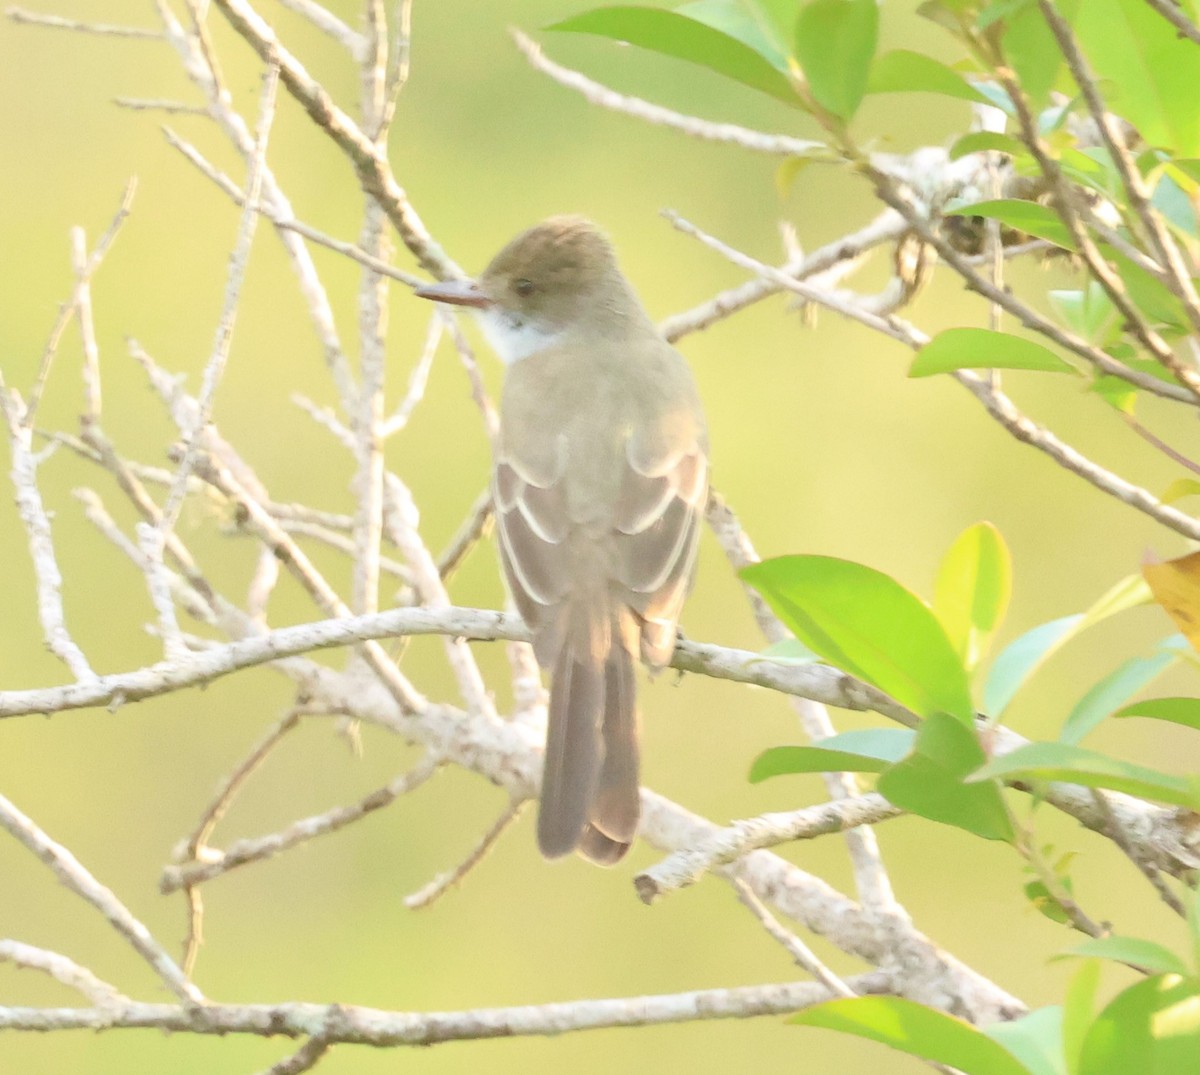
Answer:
(686, 867)
(354, 1025)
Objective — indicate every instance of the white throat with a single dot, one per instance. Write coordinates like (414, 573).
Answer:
(514, 338)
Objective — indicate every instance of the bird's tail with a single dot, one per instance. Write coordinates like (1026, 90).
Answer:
(590, 781)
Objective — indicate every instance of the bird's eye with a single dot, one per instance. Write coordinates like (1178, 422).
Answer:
(523, 286)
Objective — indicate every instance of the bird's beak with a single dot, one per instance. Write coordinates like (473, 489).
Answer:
(455, 292)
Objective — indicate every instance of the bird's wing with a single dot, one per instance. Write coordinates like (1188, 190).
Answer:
(663, 495)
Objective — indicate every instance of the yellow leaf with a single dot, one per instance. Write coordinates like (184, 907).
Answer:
(1176, 586)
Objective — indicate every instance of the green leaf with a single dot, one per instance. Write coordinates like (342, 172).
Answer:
(1044, 902)
(1021, 658)
(1022, 215)
(1151, 296)
(1183, 711)
(1149, 955)
(981, 348)
(986, 142)
(753, 24)
(1024, 656)
(1116, 687)
(914, 1029)
(866, 751)
(672, 34)
(1031, 51)
(902, 71)
(972, 591)
(929, 782)
(1193, 921)
(1117, 393)
(1079, 1003)
(835, 41)
(869, 625)
(1062, 761)
(1089, 311)
(1180, 488)
(1035, 1039)
(1146, 70)
(1152, 1027)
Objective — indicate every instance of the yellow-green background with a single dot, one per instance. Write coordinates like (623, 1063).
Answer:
(819, 441)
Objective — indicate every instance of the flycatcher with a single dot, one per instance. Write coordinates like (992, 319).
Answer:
(600, 482)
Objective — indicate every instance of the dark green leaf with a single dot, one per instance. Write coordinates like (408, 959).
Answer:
(835, 42)
(672, 34)
(1149, 955)
(914, 1029)
(981, 348)
(1031, 217)
(1152, 1027)
(1184, 711)
(1062, 761)
(867, 751)
(869, 625)
(973, 586)
(902, 71)
(929, 782)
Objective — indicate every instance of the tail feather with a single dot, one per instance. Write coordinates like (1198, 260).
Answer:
(572, 750)
(599, 849)
(615, 808)
(590, 781)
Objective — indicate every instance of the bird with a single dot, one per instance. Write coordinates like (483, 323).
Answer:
(599, 484)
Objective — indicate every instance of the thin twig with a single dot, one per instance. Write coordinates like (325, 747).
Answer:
(1174, 14)
(306, 1057)
(442, 884)
(599, 94)
(71, 974)
(998, 405)
(56, 22)
(32, 510)
(72, 874)
(796, 948)
(214, 863)
(369, 161)
(84, 271)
